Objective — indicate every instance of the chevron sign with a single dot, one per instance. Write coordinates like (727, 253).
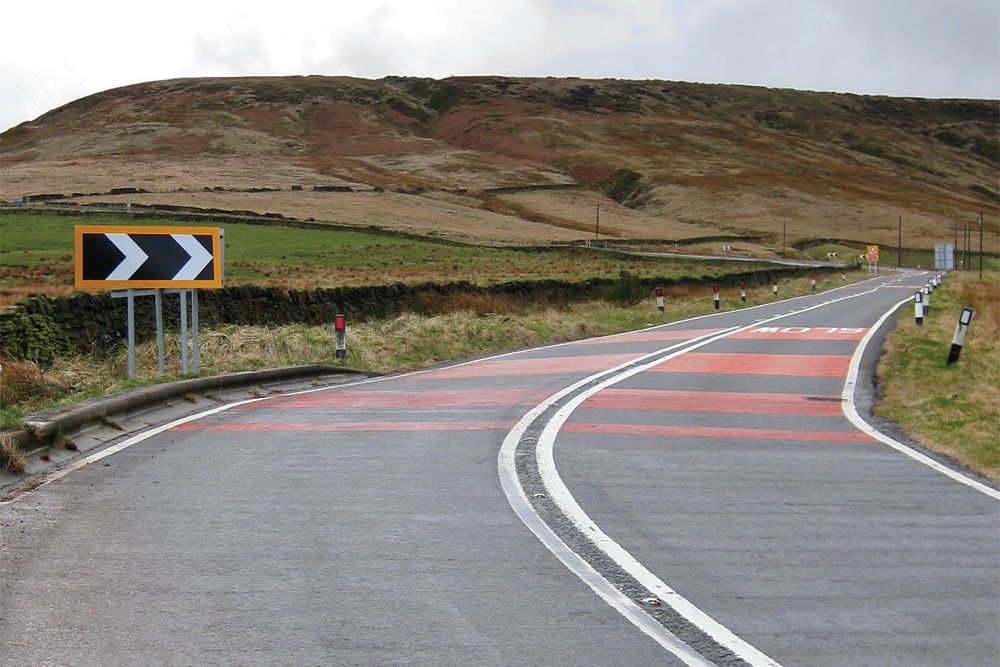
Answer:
(129, 257)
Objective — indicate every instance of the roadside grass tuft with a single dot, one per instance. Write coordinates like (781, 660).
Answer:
(24, 385)
(11, 458)
(953, 410)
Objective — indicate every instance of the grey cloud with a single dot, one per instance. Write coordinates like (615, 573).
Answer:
(237, 51)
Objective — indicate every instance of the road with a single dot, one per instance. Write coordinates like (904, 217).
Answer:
(686, 494)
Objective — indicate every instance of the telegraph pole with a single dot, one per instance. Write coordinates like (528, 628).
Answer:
(954, 249)
(784, 237)
(965, 248)
(980, 246)
(597, 226)
(899, 246)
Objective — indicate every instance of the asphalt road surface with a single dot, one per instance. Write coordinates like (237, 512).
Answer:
(689, 494)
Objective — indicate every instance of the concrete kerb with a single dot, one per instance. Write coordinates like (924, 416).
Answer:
(44, 427)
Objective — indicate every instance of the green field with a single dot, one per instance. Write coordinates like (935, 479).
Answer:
(36, 252)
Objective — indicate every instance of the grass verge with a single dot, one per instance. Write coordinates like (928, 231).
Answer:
(953, 410)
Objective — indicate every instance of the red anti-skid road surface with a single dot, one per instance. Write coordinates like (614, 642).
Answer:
(666, 400)
(703, 432)
(758, 364)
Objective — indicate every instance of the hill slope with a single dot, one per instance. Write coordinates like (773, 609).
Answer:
(526, 160)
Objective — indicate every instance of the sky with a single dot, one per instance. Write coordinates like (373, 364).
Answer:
(55, 51)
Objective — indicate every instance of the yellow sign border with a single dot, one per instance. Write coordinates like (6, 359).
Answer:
(80, 283)
(872, 250)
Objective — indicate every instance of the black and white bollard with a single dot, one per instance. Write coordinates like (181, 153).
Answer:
(659, 298)
(918, 307)
(814, 282)
(959, 340)
(715, 289)
(775, 288)
(340, 326)
(927, 298)
(743, 292)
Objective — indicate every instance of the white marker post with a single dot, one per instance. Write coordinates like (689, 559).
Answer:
(659, 298)
(927, 298)
(715, 289)
(959, 340)
(814, 282)
(340, 326)
(918, 307)
(775, 288)
(743, 292)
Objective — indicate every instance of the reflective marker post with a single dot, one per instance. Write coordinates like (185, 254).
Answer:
(715, 289)
(776, 288)
(918, 307)
(814, 282)
(340, 326)
(959, 340)
(743, 292)
(659, 298)
(927, 298)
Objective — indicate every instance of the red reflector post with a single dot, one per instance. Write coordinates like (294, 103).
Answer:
(340, 326)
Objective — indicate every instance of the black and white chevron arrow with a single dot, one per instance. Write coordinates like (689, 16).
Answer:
(145, 257)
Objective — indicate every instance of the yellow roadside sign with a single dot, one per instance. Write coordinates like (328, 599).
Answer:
(134, 257)
(873, 254)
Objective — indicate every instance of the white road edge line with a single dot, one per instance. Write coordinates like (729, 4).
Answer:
(851, 412)
(561, 495)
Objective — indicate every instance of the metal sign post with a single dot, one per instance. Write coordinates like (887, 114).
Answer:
(184, 333)
(161, 366)
(136, 261)
(131, 334)
(194, 329)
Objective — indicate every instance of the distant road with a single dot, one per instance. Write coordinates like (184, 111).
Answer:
(699, 494)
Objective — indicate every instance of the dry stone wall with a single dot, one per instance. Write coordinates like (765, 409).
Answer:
(42, 329)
